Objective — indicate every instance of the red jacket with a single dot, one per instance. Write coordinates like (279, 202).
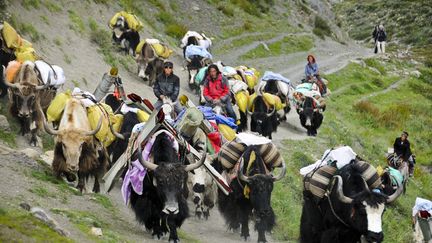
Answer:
(216, 89)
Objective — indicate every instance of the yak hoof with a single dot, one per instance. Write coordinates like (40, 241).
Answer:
(246, 238)
(198, 214)
(206, 215)
(174, 241)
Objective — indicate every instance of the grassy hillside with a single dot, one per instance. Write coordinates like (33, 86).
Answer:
(406, 21)
(368, 115)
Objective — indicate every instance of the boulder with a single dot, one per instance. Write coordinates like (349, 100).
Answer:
(40, 214)
(96, 231)
(48, 157)
(416, 73)
(31, 153)
(4, 124)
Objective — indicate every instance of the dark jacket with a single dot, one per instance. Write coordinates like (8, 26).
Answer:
(381, 35)
(402, 148)
(168, 86)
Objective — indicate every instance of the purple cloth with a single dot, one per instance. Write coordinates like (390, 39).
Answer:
(134, 177)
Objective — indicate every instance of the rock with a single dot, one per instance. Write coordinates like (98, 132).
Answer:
(265, 46)
(196, 8)
(40, 214)
(25, 206)
(360, 62)
(96, 231)
(416, 73)
(48, 157)
(31, 153)
(4, 124)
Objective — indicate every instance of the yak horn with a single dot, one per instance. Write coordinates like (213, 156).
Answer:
(282, 174)
(395, 195)
(240, 174)
(272, 112)
(47, 127)
(196, 164)
(118, 135)
(44, 86)
(96, 130)
(146, 164)
(339, 192)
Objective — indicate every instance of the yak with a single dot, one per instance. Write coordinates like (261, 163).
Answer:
(237, 208)
(162, 207)
(310, 116)
(124, 36)
(271, 87)
(76, 149)
(263, 120)
(349, 211)
(27, 97)
(149, 65)
(203, 191)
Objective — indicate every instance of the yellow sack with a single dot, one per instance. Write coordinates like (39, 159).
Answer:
(251, 81)
(55, 109)
(269, 99)
(161, 50)
(140, 46)
(227, 132)
(380, 170)
(10, 36)
(142, 116)
(242, 100)
(11, 70)
(94, 113)
(237, 77)
(251, 101)
(131, 19)
(117, 121)
(25, 54)
(278, 103)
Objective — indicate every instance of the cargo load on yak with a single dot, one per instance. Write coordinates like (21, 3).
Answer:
(200, 76)
(131, 19)
(249, 75)
(317, 176)
(270, 100)
(308, 90)
(193, 50)
(160, 49)
(50, 73)
(200, 40)
(22, 48)
(283, 83)
(231, 152)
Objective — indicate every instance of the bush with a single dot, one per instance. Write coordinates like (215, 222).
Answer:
(76, 22)
(321, 27)
(367, 108)
(176, 30)
(226, 9)
(165, 17)
(31, 3)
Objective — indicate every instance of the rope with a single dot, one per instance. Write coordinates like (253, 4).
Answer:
(327, 194)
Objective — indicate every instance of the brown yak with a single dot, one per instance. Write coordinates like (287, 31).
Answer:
(27, 97)
(76, 148)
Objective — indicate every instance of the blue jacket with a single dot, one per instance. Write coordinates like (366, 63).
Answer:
(311, 69)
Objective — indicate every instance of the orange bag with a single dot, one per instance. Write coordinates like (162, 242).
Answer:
(12, 70)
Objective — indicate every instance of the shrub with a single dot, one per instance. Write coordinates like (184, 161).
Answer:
(29, 29)
(247, 25)
(367, 108)
(176, 30)
(165, 17)
(395, 115)
(52, 6)
(76, 22)
(27, 4)
(321, 27)
(226, 9)
(158, 4)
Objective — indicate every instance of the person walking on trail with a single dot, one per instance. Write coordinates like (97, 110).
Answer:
(216, 90)
(312, 71)
(380, 37)
(374, 36)
(402, 148)
(167, 87)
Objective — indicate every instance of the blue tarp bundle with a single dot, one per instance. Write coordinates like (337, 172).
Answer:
(193, 50)
(269, 75)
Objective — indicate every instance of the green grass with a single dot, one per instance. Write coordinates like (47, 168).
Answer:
(226, 9)
(8, 138)
(42, 192)
(176, 30)
(186, 238)
(52, 6)
(57, 41)
(19, 226)
(287, 45)
(45, 19)
(104, 201)
(29, 4)
(84, 221)
(369, 126)
(67, 58)
(76, 22)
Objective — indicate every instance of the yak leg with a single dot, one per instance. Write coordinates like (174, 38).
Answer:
(173, 237)
(81, 182)
(33, 129)
(96, 186)
(157, 227)
(244, 221)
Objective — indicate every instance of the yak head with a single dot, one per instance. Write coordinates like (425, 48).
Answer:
(261, 117)
(74, 134)
(307, 110)
(363, 209)
(260, 183)
(169, 175)
(25, 90)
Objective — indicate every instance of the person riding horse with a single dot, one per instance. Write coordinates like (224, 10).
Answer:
(312, 72)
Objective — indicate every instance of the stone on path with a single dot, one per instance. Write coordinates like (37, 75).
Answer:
(96, 231)
(40, 214)
(31, 153)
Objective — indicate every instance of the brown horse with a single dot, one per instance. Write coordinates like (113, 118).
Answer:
(149, 65)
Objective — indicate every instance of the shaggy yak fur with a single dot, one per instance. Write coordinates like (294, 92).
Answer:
(308, 114)
(237, 209)
(5, 58)
(318, 223)
(149, 64)
(260, 121)
(166, 184)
